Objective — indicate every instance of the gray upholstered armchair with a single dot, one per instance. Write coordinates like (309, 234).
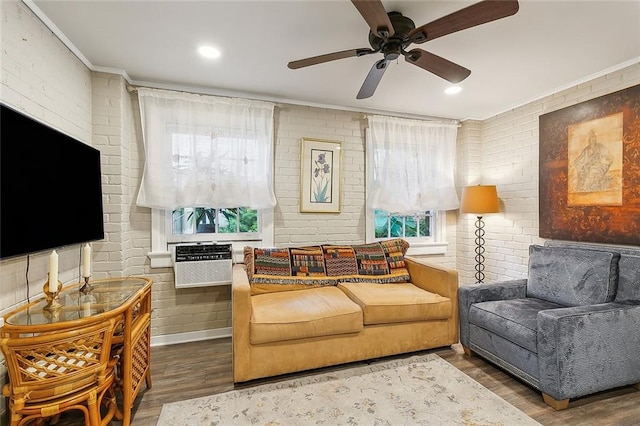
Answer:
(571, 328)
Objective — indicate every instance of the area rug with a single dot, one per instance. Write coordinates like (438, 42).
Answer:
(420, 390)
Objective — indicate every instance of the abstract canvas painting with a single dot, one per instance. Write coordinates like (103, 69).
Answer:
(589, 171)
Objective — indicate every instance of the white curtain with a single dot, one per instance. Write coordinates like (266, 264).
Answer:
(205, 151)
(411, 165)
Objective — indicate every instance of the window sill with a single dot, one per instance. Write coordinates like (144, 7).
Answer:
(161, 259)
(422, 248)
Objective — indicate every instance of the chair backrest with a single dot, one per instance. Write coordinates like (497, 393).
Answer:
(58, 363)
(629, 266)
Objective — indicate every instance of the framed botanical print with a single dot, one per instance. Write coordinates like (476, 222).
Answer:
(320, 166)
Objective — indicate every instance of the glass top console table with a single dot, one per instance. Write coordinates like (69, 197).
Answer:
(127, 299)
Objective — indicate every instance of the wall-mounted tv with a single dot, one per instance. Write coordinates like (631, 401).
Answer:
(50, 187)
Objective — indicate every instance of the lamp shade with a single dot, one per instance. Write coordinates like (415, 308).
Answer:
(479, 199)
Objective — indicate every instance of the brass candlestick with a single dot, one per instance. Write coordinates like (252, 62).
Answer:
(86, 287)
(53, 302)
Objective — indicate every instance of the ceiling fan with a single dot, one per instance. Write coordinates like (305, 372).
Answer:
(392, 33)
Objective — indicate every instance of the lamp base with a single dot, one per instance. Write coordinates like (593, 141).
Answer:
(479, 250)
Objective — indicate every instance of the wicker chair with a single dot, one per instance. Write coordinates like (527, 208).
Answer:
(60, 371)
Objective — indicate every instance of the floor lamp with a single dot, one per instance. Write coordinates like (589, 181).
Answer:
(479, 199)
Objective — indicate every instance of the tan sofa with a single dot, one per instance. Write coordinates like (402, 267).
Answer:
(293, 329)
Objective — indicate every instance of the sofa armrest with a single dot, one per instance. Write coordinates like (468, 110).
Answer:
(587, 349)
(440, 280)
(433, 278)
(241, 318)
(475, 293)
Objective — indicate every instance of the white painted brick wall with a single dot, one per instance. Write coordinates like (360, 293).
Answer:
(108, 112)
(292, 227)
(468, 172)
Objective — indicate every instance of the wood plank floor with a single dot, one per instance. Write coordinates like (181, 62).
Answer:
(197, 369)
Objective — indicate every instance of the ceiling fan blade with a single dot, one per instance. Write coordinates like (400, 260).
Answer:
(441, 67)
(373, 79)
(328, 57)
(376, 16)
(476, 14)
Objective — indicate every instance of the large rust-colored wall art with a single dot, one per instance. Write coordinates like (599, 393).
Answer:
(590, 170)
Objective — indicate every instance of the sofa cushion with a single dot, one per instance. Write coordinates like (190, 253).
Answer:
(628, 267)
(571, 276)
(295, 268)
(302, 314)
(404, 302)
(513, 320)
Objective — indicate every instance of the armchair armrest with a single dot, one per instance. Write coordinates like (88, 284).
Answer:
(475, 293)
(587, 349)
(241, 317)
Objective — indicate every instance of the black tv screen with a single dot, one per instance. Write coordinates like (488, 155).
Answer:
(50, 187)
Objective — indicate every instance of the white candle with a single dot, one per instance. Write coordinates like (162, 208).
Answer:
(53, 272)
(86, 261)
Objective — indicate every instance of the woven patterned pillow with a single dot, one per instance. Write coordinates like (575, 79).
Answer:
(272, 261)
(371, 259)
(307, 261)
(340, 260)
(395, 251)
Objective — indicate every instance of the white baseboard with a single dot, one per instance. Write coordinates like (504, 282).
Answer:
(191, 336)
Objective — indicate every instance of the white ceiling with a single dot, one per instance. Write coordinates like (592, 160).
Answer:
(545, 47)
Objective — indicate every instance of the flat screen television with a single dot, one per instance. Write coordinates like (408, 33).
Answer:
(50, 187)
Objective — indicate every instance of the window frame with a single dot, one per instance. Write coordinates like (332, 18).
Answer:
(212, 236)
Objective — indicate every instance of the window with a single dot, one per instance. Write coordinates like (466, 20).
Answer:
(389, 225)
(206, 151)
(409, 181)
(209, 224)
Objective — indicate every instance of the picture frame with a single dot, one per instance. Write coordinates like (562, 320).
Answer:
(320, 176)
(590, 170)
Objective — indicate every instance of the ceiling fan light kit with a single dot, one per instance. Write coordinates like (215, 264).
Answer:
(392, 33)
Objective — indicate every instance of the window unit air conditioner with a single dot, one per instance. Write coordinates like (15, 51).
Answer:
(202, 265)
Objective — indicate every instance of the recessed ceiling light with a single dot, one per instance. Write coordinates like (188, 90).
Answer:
(453, 90)
(209, 52)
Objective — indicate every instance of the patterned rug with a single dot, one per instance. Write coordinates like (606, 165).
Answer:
(421, 390)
